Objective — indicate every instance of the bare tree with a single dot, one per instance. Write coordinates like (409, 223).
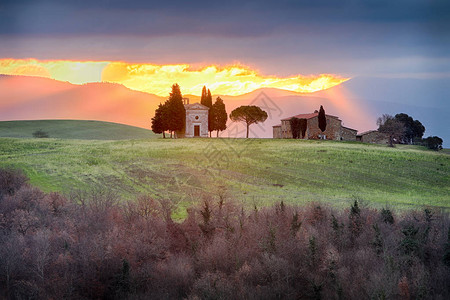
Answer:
(11, 259)
(383, 119)
(392, 127)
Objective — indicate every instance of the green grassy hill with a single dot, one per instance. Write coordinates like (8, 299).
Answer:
(74, 129)
(254, 171)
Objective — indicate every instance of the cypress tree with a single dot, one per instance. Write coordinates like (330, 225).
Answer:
(176, 114)
(298, 127)
(219, 116)
(210, 116)
(295, 127)
(322, 119)
(158, 122)
(204, 95)
(303, 126)
(206, 100)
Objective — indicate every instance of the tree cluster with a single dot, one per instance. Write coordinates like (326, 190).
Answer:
(92, 246)
(206, 100)
(433, 143)
(217, 115)
(401, 128)
(170, 116)
(298, 127)
(413, 131)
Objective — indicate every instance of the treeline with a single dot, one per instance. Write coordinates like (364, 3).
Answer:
(93, 246)
(403, 129)
(171, 116)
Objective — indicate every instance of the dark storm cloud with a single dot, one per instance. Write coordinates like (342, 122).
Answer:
(278, 37)
(224, 18)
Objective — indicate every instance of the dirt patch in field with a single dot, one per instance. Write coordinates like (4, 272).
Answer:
(115, 183)
(146, 176)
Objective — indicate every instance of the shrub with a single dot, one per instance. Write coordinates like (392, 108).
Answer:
(386, 216)
(11, 181)
(40, 134)
(433, 143)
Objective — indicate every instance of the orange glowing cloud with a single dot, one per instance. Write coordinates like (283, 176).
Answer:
(157, 79)
(229, 80)
(64, 70)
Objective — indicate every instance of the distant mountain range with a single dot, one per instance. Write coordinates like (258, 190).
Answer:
(358, 102)
(32, 98)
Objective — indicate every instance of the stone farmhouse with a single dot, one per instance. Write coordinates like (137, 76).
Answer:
(196, 120)
(333, 131)
(373, 136)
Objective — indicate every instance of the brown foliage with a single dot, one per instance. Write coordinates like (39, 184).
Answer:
(92, 246)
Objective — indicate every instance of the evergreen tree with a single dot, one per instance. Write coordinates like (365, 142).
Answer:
(413, 128)
(303, 127)
(418, 130)
(249, 114)
(219, 116)
(206, 100)
(433, 142)
(208, 103)
(176, 114)
(158, 121)
(298, 127)
(295, 127)
(322, 119)
(204, 95)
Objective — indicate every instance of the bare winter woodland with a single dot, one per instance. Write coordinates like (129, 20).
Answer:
(93, 246)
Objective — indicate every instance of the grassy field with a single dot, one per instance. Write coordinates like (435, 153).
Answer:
(255, 171)
(74, 129)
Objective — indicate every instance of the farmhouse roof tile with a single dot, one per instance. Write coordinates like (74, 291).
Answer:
(307, 116)
(367, 132)
(349, 128)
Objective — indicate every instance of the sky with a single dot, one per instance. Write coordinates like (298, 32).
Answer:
(384, 38)
(392, 52)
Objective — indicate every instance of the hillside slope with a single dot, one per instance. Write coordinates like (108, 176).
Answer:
(74, 129)
(254, 171)
(358, 102)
